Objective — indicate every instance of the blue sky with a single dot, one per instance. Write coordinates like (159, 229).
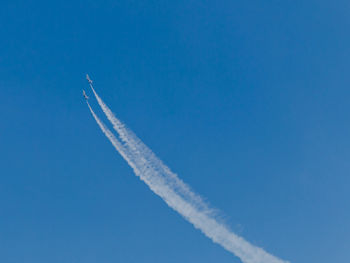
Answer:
(247, 102)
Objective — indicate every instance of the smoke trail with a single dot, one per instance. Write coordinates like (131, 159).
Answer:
(175, 192)
(142, 153)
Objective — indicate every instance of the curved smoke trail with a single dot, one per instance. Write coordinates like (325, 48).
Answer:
(175, 192)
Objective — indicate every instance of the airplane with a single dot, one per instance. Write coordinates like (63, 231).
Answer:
(88, 79)
(85, 96)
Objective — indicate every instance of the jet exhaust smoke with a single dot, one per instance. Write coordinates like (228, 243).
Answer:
(175, 192)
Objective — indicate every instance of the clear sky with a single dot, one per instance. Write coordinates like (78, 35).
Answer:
(247, 101)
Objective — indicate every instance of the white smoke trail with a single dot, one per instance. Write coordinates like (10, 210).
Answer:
(175, 192)
(142, 153)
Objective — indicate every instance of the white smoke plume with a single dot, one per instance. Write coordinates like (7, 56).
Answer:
(175, 192)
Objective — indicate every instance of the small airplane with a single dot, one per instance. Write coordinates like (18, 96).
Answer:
(88, 79)
(85, 96)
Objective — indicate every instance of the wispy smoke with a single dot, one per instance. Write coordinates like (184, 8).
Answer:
(175, 192)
